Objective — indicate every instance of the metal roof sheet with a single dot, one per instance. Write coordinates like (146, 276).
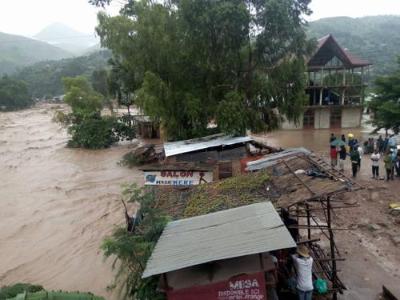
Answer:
(180, 147)
(231, 233)
(272, 159)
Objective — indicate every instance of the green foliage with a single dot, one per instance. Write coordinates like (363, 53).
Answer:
(386, 104)
(188, 62)
(83, 100)
(376, 38)
(93, 133)
(100, 81)
(11, 291)
(132, 250)
(87, 127)
(13, 94)
(44, 79)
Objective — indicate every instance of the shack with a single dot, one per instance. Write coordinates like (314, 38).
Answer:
(220, 255)
(146, 127)
(228, 154)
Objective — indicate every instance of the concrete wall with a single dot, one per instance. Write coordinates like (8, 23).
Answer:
(351, 117)
(289, 125)
(322, 118)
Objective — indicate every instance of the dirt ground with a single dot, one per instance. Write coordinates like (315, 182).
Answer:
(372, 246)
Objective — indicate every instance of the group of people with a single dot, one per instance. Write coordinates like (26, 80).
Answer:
(379, 149)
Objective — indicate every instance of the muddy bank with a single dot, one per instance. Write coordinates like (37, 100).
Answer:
(56, 204)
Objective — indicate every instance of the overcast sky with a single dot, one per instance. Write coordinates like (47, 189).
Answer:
(27, 17)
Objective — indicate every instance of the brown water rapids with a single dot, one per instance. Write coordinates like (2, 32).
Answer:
(56, 204)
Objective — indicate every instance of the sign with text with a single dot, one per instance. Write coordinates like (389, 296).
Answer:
(178, 178)
(244, 287)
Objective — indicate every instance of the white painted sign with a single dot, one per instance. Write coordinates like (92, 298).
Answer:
(178, 178)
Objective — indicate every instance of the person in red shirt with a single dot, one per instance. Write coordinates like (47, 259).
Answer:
(334, 155)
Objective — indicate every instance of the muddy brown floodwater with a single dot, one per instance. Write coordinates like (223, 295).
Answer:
(56, 204)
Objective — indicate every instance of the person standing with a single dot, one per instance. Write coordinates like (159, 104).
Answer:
(398, 164)
(342, 157)
(380, 144)
(361, 153)
(393, 154)
(388, 165)
(332, 138)
(375, 157)
(303, 264)
(334, 155)
(355, 160)
(343, 138)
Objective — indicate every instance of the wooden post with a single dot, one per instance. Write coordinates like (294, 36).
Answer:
(322, 87)
(308, 221)
(332, 245)
(362, 86)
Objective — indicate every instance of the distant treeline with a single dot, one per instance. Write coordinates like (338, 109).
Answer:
(44, 79)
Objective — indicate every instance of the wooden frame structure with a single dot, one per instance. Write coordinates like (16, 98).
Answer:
(310, 190)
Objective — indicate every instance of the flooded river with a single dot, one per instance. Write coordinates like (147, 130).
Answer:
(56, 204)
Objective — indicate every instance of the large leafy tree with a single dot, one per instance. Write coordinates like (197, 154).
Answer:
(386, 103)
(237, 62)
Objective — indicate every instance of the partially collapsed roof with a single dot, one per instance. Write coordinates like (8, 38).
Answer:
(328, 48)
(231, 233)
(180, 147)
(273, 159)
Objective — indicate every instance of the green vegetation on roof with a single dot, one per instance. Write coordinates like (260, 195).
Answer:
(233, 192)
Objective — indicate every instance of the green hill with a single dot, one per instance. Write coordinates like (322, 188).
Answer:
(44, 79)
(17, 51)
(376, 38)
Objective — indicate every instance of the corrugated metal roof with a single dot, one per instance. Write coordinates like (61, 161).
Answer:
(180, 147)
(231, 233)
(272, 159)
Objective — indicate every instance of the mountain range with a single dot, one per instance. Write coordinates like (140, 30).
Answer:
(64, 37)
(18, 51)
(376, 39)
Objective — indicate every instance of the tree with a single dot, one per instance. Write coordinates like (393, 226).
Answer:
(191, 61)
(13, 94)
(87, 127)
(133, 249)
(386, 103)
(83, 100)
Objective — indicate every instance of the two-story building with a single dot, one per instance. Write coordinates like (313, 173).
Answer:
(336, 82)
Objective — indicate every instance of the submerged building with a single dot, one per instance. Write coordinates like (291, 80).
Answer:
(336, 82)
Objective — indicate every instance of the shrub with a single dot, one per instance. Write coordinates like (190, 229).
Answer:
(96, 133)
(11, 291)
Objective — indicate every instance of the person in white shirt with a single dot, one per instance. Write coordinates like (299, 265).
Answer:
(303, 264)
(375, 157)
(361, 152)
